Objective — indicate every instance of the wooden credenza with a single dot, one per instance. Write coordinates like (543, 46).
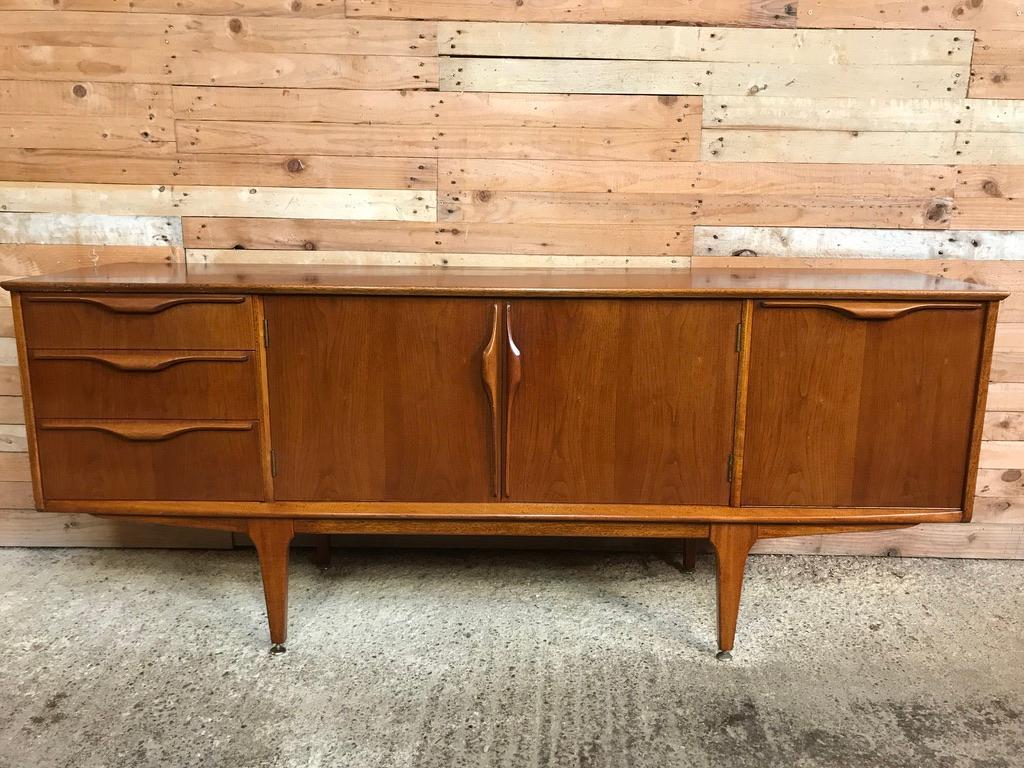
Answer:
(721, 404)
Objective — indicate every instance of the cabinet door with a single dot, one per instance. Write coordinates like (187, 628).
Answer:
(863, 404)
(628, 400)
(381, 398)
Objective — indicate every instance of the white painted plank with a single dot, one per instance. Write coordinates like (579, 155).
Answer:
(285, 202)
(710, 44)
(89, 229)
(784, 146)
(686, 78)
(395, 258)
(849, 243)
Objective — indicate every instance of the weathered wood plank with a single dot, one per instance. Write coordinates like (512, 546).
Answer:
(243, 32)
(25, 528)
(1001, 484)
(129, 134)
(997, 81)
(846, 243)
(1006, 396)
(88, 228)
(815, 211)
(107, 199)
(293, 70)
(1008, 365)
(426, 259)
(1000, 511)
(12, 411)
(421, 108)
(36, 259)
(990, 148)
(787, 146)
(12, 436)
(589, 238)
(711, 44)
(10, 380)
(1004, 425)
(989, 181)
(563, 207)
(684, 77)
(318, 9)
(978, 540)
(798, 179)
(390, 140)
(15, 494)
(1001, 454)
(14, 466)
(988, 213)
(894, 14)
(82, 98)
(6, 317)
(745, 13)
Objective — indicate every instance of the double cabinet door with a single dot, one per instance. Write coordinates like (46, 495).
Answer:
(532, 400)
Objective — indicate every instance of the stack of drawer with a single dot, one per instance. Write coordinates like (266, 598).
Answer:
(145, 396)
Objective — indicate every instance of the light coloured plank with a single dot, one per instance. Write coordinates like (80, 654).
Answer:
(990, 148)
(1004, 425)
(6, 315)
(1001, 454)
(400, 258)
(25, 528)
(977, 540)
(12, 436)
(1009, 336)
(292, 70)
(15, 494)
(1003, 81)
(126, 199)
(1006, 396)
(815, 211)
(89, 228)
(1004, 484)
(10, 380)
(296, 170)
(989, 181)
(895, 14)
(273, 202)
(23, 260)
(419, 108)
(710, 44)
(683, 77)
(243, 32)
(474, 141)
(998, 511)
(563, 207)
(847, 243)
(82, 98)
(14, 466)
(747, 13)
(590, 238)
(12, 412)
(128, 134)
(318, 9)
(787, 146)
(1008, 365)
(797, 179)
(997, 47)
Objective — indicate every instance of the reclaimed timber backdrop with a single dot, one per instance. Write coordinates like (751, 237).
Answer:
(590, 132)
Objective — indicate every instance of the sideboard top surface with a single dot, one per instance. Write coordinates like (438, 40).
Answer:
(492, 281)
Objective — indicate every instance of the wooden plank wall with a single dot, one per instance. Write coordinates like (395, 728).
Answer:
(589, 132)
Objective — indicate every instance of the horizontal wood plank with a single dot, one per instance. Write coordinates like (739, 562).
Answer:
(989, 181)
(82, 98)
(685, 77)
(319, 9)
(746, 13)
(89, 229)
(1006, 396)
(590, 238)
(894, 14)
(980, 148)
(988, 213)
(12, 411)
(797, 146)
(997, 81)
(25, 528)
(14, 466)
(997, 510)
(125, 134)
(293, 70)
(1004, 425)
(1001, 454)
(35, 259)
(710, 44)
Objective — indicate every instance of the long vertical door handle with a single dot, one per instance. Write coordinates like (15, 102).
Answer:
(489, 372)
(513, 375)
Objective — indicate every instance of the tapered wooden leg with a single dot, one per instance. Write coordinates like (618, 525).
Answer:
(272, 538)
(689, 554)
(322, 553)
(732, 542)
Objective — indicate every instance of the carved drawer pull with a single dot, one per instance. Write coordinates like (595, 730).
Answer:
(489, 373)
(869, 310)
(147, 431)
(513, 374)
(146, 362)
(137, 305)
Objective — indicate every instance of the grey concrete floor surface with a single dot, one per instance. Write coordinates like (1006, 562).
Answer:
(492, 658)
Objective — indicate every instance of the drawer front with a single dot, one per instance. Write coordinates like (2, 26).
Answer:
(150, 321)
(151, 461)
(150, 384)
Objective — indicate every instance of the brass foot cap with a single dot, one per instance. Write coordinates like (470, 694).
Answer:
(723, 656)
(277, 648)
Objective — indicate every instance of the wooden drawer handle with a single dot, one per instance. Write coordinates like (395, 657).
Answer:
(513, 376)
(146, 362)
(489, 365)
(137, 305)
(869, 310)
(147, 431)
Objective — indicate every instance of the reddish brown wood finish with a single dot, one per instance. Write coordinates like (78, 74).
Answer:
(272, 538)
(379, 399)
(87, 321)
(613, 405)
(205, 460)
(732, 543)
(144, 385)
(846, 411)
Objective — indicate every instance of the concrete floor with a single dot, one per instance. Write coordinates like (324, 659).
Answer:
(514, 659)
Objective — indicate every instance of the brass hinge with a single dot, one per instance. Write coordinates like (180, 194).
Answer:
(729, 470)
(266, 333)
(273, 463)
(739, 337)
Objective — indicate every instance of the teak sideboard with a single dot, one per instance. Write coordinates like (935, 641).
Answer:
(682, 404)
